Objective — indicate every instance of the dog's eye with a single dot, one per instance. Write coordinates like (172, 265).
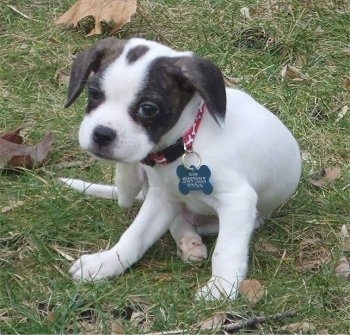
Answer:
(148, 110)
(95, 94)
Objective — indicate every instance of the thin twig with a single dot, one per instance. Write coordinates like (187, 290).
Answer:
(169, 332)
(256, 320)
(237, 325)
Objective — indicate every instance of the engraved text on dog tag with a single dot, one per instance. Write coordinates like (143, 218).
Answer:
(194, 179)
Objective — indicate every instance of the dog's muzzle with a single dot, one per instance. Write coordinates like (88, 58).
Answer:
(102, 142)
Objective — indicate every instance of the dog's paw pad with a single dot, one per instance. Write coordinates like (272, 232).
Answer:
(217, 289)
(191, 248)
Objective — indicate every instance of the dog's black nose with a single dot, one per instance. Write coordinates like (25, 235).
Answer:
(103, 135)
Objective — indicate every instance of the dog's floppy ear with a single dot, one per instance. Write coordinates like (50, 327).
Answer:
(91, 60)
(206, 78)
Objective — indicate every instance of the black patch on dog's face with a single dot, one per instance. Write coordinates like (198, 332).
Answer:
(135, 53)
(92, 60)
(96, 95)
(167, 91)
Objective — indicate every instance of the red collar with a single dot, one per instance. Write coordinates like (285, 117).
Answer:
(174, 151)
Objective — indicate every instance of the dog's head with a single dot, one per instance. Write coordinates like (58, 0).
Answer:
(137, 91)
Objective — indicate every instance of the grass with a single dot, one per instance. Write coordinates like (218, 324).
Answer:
(36, 293)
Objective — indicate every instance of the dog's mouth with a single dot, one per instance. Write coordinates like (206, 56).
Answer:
(102, 156)
(107, 156)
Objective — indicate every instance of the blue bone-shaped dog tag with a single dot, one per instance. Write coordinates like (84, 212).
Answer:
(192, 179)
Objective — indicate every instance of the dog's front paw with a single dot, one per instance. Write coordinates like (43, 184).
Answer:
(191, 248)
(96, 266)
(218, 289)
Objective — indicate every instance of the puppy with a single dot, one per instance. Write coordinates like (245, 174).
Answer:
(199, 151)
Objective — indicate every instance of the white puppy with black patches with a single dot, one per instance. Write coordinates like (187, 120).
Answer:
(197, 149)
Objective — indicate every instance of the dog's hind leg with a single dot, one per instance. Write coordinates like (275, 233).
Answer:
(189, 244)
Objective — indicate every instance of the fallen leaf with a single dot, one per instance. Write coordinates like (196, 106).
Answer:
(313, 253)
(13, 154)
(51, 316)
(329, 176)
(117, 11)
(292, 72)
(253, 290)
(342, 269)
(332, 174)
(347, 83)
(215, 322)
(12, 205)
(298, 327)
(13, 136)
(117, 328)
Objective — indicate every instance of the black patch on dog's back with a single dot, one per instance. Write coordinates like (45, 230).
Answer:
(135, 53)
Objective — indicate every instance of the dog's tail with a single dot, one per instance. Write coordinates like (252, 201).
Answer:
(97, 190)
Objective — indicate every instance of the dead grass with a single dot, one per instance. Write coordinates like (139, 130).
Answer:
(294, 255)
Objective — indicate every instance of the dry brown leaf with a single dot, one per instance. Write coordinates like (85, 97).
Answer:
(13, 136)
(13, 154)
(11, 206)
(347, 83)
(215, 322)
(329, 176)
(117, 328)
(332, 174)
(51, 316)
(117, 11)
(298, 327)
(253, 290)
(292, 72)
(312, 254)
(342, 269)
